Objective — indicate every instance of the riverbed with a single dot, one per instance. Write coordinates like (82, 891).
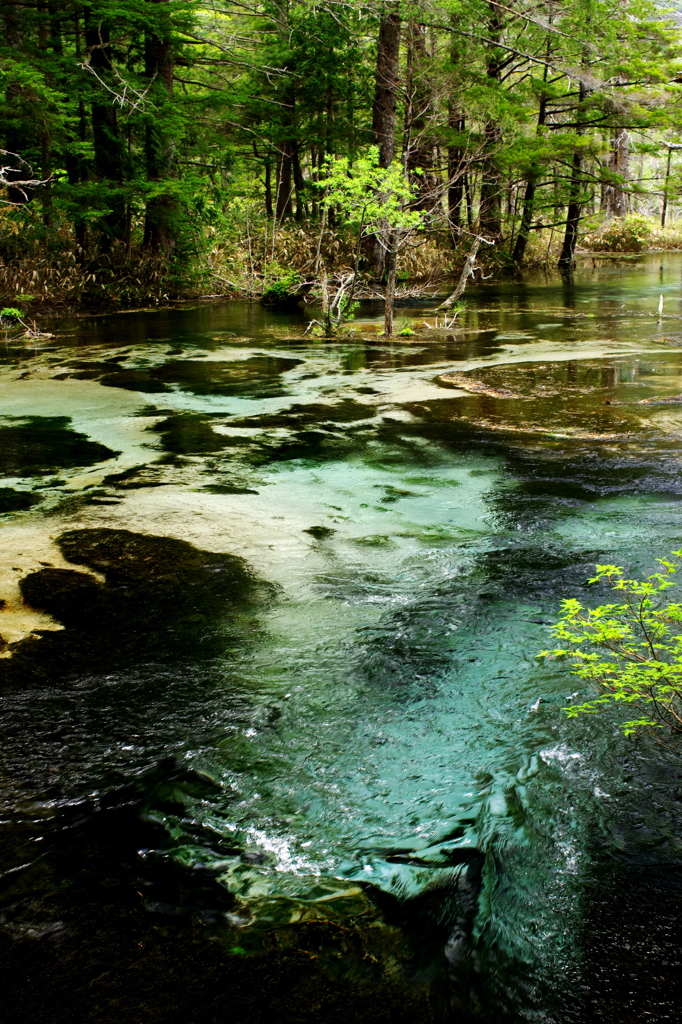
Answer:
(344, 789)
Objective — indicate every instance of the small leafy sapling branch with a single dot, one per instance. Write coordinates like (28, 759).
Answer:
(630, 650)
(10, 316)
(372, 200)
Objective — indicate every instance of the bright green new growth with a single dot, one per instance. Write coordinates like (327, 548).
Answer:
(631, 651)
(371, 198)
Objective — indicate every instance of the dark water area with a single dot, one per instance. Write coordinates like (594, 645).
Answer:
(276, 743)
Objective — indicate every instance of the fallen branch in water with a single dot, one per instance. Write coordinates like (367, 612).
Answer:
(467, 272)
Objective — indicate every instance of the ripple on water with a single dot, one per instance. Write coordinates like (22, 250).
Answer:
(375, 741)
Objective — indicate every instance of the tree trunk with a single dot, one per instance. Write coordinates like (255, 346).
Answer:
(531, 186)
(567, 256)
(386, 80)
(15, 134)
(467, 198)
(386, 83)
(105, 135)
(391, 276)
(284, 182)
(617, 201)
(574, 210)
(160, 227)
(268, 189)
(664, 208)
(490, 213)
(418, 151)
(456, 173)
(76, 167)
(467, 272)
(299, 184)
(46, 42)
(526, 219)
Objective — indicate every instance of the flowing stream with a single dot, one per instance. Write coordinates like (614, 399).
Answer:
(370, 742)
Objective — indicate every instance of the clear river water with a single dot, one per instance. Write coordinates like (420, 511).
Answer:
(340, 786)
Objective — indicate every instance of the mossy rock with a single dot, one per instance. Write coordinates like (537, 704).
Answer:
(162, 599)
(16, 501)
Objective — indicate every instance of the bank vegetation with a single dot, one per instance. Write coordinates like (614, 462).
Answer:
(160, 149)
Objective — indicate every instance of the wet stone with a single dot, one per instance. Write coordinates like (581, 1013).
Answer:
(133, 380)
(346, 411)
(227, 489)
(189, 434)
(256, 377)
(320, 532)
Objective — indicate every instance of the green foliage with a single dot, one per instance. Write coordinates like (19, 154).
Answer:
(370, 198)
(10, 313)
(630, 650)
(404, 327)
(258, 121)
(623, 234)
(279, 281)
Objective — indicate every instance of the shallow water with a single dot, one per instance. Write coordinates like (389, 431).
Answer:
(375, 738)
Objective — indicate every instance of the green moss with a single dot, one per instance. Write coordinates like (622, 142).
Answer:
(35, 445)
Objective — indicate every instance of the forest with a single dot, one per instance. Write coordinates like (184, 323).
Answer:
(155, 149)
(340, 651)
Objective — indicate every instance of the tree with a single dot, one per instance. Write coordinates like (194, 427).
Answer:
(160, 132)
(374, 201)
(386, 83)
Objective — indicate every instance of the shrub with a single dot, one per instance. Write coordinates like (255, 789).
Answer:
(282, 280)
(631, 650)
(10, 313)
(623, 234)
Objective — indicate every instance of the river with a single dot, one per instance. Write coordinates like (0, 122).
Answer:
(320, 774)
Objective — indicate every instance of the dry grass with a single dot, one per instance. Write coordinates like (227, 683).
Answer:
(41, 270)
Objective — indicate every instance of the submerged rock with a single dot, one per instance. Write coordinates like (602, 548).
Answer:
(477, 387)
(320, 532)
(257, 376)
(71, 597)
(36, 445)
(162, 598)
(16, 501)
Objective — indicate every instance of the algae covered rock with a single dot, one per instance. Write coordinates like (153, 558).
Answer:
(158, 573)
(161, 599)
(70, 597)
(12, 500)
(38, 445)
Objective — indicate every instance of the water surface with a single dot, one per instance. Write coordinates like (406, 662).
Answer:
(372, 744)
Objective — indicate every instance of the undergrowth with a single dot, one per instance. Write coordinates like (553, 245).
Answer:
(632, 234)
(250, 256)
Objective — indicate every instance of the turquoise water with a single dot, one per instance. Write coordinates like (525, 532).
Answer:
(381, 723)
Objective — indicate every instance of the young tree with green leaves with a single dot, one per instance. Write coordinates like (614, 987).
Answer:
(374, 201)
(629, 650)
